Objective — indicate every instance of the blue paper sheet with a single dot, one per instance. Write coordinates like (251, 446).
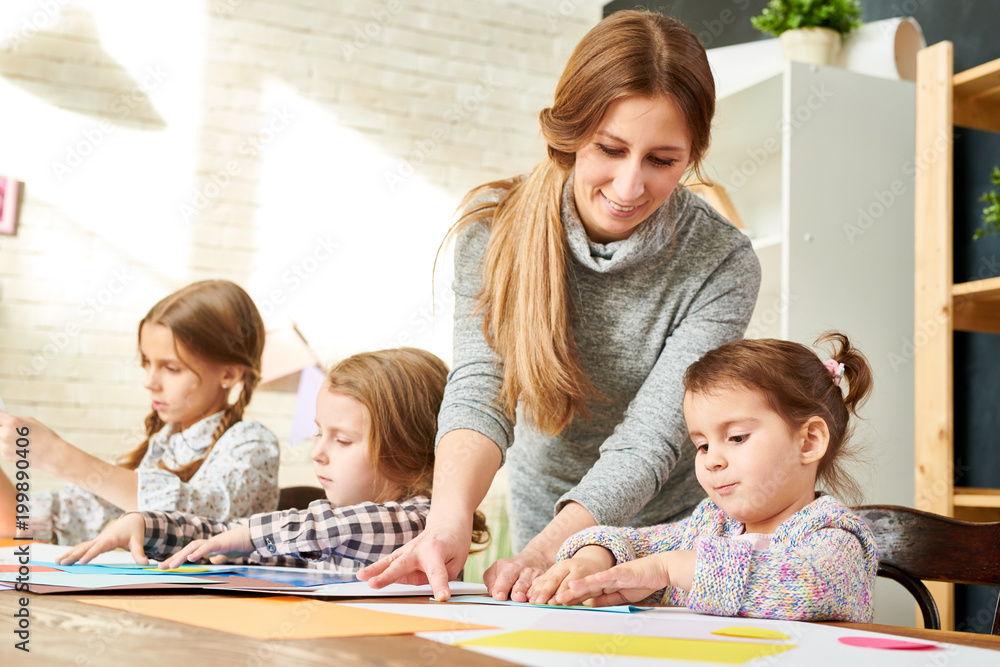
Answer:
(92, 581)
(133, 569)
(293, 577)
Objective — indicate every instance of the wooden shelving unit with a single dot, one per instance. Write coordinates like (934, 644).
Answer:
(969, 99)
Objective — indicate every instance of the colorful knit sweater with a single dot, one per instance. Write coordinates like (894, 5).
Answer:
(820, 566)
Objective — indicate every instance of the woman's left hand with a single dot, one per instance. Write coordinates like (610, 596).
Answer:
(512, 577)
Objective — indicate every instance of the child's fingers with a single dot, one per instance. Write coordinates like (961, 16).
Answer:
(588, 587)
(73, 555)
(96, 549)
(135, 545)
(181, 556)
(543, 588)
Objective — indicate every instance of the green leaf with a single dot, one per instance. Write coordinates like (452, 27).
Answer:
(782, 15)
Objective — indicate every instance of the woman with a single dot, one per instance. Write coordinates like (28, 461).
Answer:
(583, 292)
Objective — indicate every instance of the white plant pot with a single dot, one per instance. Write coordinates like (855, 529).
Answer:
(818, 46)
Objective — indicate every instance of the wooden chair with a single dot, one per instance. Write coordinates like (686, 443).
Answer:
(299, 497)
(915, 545)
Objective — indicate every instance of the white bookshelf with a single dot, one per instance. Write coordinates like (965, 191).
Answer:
(811, 158)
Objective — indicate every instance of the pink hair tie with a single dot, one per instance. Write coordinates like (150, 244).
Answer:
(836, 371)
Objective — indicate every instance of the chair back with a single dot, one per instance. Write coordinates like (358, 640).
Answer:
(298, 497)
(914, 545)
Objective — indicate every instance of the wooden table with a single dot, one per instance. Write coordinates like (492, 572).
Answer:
(67, 632)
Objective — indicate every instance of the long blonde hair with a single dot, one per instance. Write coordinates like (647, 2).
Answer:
(217, 321)
(401, 389)
(526, 305)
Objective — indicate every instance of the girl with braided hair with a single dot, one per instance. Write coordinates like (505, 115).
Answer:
(199, 454)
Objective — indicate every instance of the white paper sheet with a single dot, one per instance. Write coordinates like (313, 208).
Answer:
(40, 552)
(360, 589)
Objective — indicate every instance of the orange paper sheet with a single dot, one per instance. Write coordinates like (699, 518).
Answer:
(648, 647)
(282, 617)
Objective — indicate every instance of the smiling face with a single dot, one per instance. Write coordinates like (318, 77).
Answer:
(631, 166)
(341, 457)
(185, 388)
(752, 465)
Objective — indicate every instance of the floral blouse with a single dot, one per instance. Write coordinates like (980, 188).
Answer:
(237, 479)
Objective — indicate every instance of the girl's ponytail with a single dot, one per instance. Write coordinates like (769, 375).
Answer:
(857, 371)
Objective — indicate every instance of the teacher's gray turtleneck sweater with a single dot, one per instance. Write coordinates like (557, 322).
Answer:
(646, 307)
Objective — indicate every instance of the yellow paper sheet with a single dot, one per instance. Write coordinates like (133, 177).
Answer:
(648, 647)
(750, 631)
(281, 617)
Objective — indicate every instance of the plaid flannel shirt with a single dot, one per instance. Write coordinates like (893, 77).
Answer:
(322, 536)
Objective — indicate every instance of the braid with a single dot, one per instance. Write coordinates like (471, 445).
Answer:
(233, 415)
(132, 460)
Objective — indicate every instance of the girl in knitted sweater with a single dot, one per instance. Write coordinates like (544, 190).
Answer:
(768, 420)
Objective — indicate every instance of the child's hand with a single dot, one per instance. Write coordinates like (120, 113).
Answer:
(45, 449)
(555, 581)
(230, 544)
(128, 531)
(625, 583)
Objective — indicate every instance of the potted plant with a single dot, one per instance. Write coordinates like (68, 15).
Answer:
(991, 214)
(810, 30)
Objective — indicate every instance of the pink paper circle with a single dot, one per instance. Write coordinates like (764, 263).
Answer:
(885, 643)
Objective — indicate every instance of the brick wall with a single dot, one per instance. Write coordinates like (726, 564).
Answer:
(311, 150)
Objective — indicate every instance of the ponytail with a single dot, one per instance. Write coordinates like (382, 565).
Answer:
(857, 372)
(526, 305)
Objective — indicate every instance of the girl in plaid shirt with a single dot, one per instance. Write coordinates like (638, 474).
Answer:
(768, 419)
(377, 417)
